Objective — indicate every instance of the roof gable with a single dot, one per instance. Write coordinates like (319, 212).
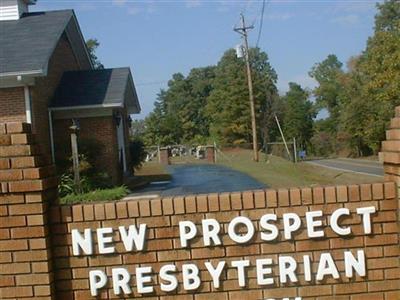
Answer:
(97, 88)
(28, 43)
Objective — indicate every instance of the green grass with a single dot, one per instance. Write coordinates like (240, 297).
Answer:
(277, 172)
(116, 193)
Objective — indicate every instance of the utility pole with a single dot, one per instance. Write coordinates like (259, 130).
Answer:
(243, 32)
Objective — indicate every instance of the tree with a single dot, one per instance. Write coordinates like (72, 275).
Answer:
(372, 88)
(327, 93)
(228, 105)
(388, 17)
(211, 103)
(299, 114)
(92, 45)
(137, 128)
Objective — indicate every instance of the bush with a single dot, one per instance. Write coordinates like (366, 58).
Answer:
(137, 152)
(91, 177)
(116, 193)
(322, 144)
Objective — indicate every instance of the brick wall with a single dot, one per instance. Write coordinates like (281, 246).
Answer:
(26, 186)
(37, 261)
(163, 215)
(62, 60)
(101, 129)
(12, 103)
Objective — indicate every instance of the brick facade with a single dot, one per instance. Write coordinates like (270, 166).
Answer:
(62, 60)
(12, 100)
(101, 129)
(12, 103)
(37, 261)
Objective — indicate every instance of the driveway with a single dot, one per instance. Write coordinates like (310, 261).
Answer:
(199, 179)
(366, 167)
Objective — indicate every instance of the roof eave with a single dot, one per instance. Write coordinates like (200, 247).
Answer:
(94, 106)
(133, 109)
(33, 73)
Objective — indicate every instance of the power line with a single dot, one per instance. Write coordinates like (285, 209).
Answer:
(261, 23)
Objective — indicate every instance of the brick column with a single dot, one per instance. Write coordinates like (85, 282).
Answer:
(391, 150)
(210, 154)
(27, 185)
(164, 156)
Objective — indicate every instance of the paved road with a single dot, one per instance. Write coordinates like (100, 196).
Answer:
(367, 167)
(201, 179)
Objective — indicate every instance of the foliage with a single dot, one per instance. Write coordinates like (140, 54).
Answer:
(299, 114)
(179, 113)
(228, 105)
(92, 45)
(322, 144)
(115, 193)
(90, 177)
(137, 152)
(361, 101)
(67, 185)
(372, 86)
(138, 128)
(212, 103)
(327, 93)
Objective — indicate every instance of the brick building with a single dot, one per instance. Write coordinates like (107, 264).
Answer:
(47, 79)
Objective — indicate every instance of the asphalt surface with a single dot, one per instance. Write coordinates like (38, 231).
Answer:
(200, 179)
(360, 166)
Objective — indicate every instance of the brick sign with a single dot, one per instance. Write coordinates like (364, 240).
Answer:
(134, 239)
(338, 242)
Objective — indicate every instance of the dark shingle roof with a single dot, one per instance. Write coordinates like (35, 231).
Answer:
(107, 87)
(28, 43)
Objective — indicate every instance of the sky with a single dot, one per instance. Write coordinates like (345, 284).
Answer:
(159, 38)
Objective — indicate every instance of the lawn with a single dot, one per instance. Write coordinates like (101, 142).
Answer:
(277, 172)
(152, 171)
(115, 193)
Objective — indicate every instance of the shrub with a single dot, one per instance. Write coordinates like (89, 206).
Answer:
(116, 193)
(137, 152)
(322, 144)
(91, 177)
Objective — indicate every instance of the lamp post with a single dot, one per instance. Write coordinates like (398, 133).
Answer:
(75, 155)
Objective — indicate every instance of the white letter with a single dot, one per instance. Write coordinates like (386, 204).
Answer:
(287, 266)
(326, 266)
(140, 280)
(272, 228)
(133, 236)
(85, 243)
(97, 280)
(311, 224)
(186, 235)
(211, 229)
(289, 228)
(173, 282)
(103, 240)
(240, 264)
(190, 274)
(366, 216)
(351, 263)
(121, 277)
(335, 218)
(261, 271)
(307, 267)
(241, 239)
(215, 273)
